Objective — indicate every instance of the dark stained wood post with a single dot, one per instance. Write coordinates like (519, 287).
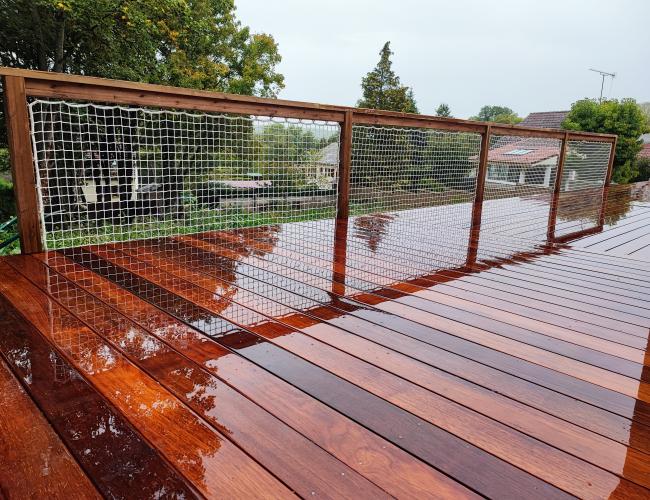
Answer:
(608, 180)
(557, 188)
(342, 206)
(477, 207)
(22, 165)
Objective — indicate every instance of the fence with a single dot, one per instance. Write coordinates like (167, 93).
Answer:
(97, 160)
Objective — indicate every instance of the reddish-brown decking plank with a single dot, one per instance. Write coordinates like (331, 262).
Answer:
(619, 302)
(636, 355)
(628, 246)
(543, 302)
(587, 372)
(629, 230)
(397, 472)
(560, 434)
(562, 470)
(188, 267)
(308, 470)
(629, 323)
(599, 396)
(113, 455)
(408, 431)
(209, 461)
(574, 282)
(598, 344)
(35, 463)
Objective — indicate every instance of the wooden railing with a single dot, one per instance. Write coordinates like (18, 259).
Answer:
(20, 85)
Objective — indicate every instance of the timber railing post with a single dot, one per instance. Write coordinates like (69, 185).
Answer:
(342, 206)
(608, 180)
(477, 207)
(557, 188)
(22, 165)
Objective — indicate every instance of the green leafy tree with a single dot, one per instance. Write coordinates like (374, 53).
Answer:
(645, 107)
(624, 118)
(284, 151)
(382, 88)
(198, 44)
(443, 110)
(497, 114)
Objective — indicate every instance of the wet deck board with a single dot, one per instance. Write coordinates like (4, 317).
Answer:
(236, 364)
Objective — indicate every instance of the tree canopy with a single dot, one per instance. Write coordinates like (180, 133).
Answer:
(443, 110)
(498, 114)
(382, 88)
(198, 43)
(624, 118)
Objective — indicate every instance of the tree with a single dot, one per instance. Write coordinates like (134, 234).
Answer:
(624, 118)
(382, 88)
(498, 114)
(443, 110)
(645, 107)
(198, 44)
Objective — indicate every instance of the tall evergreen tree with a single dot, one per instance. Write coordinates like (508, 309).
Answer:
(443, 110)
(382, 88)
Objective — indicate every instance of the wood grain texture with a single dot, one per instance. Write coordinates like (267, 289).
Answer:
(424, 404)
(308, 470)
(370, 323)
(394, 470)
(102, 441)
(562, 435)
(390, 421)
(22, 165)
(204, 457)
(35, 463)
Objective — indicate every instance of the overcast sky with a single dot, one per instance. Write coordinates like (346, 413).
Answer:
(530, 55)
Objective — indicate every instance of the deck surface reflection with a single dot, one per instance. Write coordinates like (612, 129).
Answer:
(286, 360)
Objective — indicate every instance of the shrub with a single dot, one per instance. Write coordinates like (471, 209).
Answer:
(4, 160)
(7, 205)
(643, 167)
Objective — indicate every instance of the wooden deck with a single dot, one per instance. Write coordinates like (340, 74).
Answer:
(237, 364)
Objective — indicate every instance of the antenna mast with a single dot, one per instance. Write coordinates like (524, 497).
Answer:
(603, 74)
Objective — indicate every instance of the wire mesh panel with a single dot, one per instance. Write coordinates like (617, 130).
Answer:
(518, 193)
(581, 195)
(411, 187)
(113, 173)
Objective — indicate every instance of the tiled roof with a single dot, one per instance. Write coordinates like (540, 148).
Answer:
(545, 119)
(540, 149)
(329, 154)
(535, 154)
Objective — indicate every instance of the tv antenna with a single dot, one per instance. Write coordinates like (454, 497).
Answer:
(603, 74)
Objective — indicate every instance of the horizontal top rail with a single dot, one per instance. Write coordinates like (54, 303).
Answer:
(65, 86)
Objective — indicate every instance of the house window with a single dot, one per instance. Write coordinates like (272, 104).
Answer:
(536, 175)
(519, 152)
(504, 173)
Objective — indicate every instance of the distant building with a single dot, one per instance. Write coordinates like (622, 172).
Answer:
(523, 162)
(515, 161)
(544, 119)
(327, 161)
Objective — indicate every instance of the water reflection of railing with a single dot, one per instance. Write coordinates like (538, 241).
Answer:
(119, 161)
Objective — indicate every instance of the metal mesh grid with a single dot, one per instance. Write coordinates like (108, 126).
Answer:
(113, 173)
(581, 195)
(518, 188)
